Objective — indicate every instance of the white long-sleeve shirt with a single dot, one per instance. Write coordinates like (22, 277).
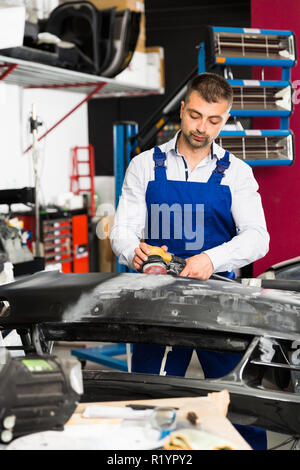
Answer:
(252, 239)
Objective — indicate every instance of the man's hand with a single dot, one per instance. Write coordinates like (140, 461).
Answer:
(199, 266)
(141, 255)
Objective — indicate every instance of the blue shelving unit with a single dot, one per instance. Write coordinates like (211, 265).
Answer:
(262, 88)
(256, 98)
(266, 139)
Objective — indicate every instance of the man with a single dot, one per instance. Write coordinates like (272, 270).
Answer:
(198, 201)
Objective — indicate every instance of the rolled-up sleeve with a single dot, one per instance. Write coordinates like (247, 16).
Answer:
(252, 240)
(129, 220)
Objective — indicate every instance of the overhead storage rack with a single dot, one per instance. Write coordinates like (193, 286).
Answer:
(36, 75)
(31, 75)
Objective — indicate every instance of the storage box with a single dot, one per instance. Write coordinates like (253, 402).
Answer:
(156, 67)
(145, 69)
(107, 260)
(136, 72)
(135, 5)
(12, 25)
(141, 42)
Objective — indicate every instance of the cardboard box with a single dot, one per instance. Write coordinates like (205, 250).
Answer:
(107, 259)
(12, 25)
(136, 72)
(141, 42)
(135, 5)
(145, 69)
(156, 66)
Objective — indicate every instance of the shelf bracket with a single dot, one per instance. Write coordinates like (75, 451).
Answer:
(10, 69)
(86, 99)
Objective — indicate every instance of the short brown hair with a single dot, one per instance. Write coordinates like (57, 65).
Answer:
(211, 87)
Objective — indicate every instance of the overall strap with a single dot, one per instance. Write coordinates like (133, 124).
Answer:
(160, 169)
(220, 169)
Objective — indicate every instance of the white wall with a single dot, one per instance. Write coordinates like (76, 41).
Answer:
(54, 155)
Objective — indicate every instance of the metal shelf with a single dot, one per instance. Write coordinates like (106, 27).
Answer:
(35, 75)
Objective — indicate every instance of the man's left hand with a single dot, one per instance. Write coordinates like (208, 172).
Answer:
(199, 266)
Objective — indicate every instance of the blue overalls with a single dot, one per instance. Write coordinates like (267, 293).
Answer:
(219, 227)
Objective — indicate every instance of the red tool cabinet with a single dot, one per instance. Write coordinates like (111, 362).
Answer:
(64, 238)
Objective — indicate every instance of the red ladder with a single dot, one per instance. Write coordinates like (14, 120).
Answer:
(77, 176)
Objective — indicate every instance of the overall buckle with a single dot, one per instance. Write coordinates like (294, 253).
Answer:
(160, 162)
(220, 168)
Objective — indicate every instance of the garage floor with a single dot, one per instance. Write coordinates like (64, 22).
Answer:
(64, 349)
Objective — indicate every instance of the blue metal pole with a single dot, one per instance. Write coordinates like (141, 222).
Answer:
(130, 132)
(123, 146)
(118, 143)
(285, 75)
(119, 170)
(201, 58)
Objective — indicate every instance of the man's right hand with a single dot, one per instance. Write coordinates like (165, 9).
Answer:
(141, 255)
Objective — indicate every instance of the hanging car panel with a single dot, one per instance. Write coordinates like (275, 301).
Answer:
(78, 23)
(127, 27)
(108, 17)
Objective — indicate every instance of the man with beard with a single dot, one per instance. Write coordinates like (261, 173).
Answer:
(196, 200)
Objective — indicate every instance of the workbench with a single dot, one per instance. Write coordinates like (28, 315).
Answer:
(210, 414)
(118, 434)
(211, 411)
